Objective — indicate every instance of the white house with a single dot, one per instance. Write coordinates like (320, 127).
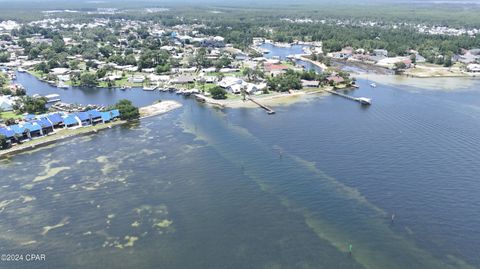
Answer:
(474, 68)
(136, 79)
(6, 103)
(227, 82)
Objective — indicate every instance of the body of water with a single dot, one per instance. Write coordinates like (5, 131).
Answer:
(236, 188)
(282, 53)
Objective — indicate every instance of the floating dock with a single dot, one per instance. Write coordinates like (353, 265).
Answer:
(268, 109)
(361, 100)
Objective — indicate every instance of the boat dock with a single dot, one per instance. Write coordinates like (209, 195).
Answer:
(268, 109)
(361, 100)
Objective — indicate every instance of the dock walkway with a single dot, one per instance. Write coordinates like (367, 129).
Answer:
(268, 109)
(361, 100)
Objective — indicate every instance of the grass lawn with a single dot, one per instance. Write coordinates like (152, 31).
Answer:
(36, 73)
(10, 115)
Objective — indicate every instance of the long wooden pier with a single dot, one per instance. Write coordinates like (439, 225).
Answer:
(361, 100)
(268, 109)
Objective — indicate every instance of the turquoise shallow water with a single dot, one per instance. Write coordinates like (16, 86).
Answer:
(205, 188)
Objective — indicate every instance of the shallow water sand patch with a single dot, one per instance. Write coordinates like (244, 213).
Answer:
(50, 173)
(62, 223)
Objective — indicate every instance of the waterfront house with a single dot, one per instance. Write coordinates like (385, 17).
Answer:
(207, 79)
(71, 121)
(310, 83)
(95, 116)
(56, 120)
(252, 88)
(380, 53)
(21, 133)
(335, 79)
(474, 68)
(84, 118)
(345, 53)
(6, 103)
(32, 129)
(45, 124)
(275, 69)
(106, 116)
(228, 82)
(183, 80)
(136, 79)
(8, 134)
(236, 88)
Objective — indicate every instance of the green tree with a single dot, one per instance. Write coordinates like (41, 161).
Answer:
(3, 142)
(42, 67)
(101, 73)
(88, 79)
(127, 110)
(218, 93)
(160, 69)
(31, 105)
(4, 57)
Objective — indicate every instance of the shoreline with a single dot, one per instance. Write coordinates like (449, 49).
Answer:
(63, 134)
(274, 99)
(424, 83)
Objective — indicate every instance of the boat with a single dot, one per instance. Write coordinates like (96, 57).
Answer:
(52, 98)
(62, 85)
(364, 100)
(21, 70)
(373, 85)
(152, 88)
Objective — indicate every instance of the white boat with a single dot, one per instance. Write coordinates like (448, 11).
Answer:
(62, 85)
(373, 85)
(364, 100)
(150, 88)
(52, 98)
(21, 70)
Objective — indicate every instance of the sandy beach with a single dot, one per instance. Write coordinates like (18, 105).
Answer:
(427, 83)
(272, 99)
(158, 108)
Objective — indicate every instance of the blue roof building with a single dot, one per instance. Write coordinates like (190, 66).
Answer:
(106, 116)
(115, 113)
(7, 132)
(83, 116)
(29, 117)
(44, 123)
(94, 113)
(70, 120)
(55, 118)
(32, 127)
(17, 129)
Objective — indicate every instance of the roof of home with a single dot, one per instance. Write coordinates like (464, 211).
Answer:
(115, 113)
(55, 118)
(32, 127)
(336, 79)
(7, 132)
(17, 129)
(29, 117)
(70, 120)
(275, 67)
(43, 122)
(83, 116)
(106, 116)
(94, 113)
